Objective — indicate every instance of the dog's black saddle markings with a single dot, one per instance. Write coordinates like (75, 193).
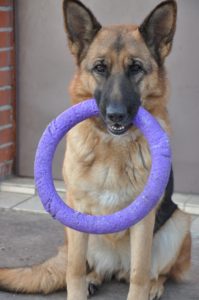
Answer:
(167, 207)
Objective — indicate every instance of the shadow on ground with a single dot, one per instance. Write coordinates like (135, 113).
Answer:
(26, 239)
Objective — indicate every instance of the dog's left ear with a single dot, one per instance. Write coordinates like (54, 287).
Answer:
(158, 29)
(81, 27)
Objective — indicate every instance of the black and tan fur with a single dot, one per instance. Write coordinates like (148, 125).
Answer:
(107, 162)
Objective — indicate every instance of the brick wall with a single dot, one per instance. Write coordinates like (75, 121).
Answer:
(7, 88)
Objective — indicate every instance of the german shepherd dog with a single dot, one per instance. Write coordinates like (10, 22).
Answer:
(107, 162)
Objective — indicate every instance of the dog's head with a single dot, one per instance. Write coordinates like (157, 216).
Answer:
(121, 66)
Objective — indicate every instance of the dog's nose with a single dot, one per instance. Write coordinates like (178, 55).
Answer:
(116, 114)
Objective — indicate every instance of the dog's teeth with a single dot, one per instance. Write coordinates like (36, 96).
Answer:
(117, 128)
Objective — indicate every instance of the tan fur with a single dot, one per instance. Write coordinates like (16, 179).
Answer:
(44, 278)
(103, 174)
(141, 239)
(157, 288)
(183, 262)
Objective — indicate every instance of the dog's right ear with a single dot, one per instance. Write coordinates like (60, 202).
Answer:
(158, 29)
(81, 27)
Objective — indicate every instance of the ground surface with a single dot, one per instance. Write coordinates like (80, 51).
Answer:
(27, 238)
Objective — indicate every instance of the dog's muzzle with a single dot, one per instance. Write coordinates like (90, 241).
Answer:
(118, 119)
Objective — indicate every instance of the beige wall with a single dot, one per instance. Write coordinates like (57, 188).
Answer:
(45, 68)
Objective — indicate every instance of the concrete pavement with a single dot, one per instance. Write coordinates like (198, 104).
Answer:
(28, 238)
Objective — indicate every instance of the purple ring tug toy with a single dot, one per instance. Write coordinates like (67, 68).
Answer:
(161, 165)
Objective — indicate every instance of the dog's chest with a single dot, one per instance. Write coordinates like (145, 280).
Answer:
(109, 198)
(110, 176)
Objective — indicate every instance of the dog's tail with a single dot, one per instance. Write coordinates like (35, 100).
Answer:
(45, 278)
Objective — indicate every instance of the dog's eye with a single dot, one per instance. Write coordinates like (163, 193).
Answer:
(100, 69)
(135, 68)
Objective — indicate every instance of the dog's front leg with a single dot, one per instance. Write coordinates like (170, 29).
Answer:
(76, 265)
(141, 237)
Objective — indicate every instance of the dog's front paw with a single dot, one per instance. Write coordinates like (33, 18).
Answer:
(93, 282)
(92, 289)
(157, 288)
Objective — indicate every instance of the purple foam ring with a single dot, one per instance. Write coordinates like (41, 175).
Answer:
(161, 165)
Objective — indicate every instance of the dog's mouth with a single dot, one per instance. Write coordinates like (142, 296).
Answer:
(118, 129)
